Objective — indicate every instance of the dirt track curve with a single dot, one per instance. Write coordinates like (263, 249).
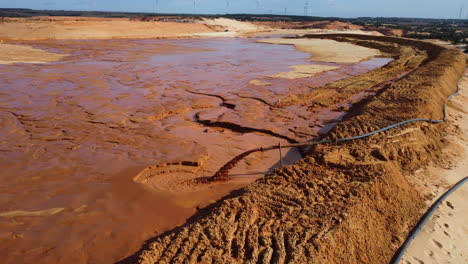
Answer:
(343, 203)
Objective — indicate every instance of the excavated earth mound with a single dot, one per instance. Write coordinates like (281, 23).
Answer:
(343, 203)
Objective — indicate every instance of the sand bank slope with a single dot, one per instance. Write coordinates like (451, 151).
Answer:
(98, 29)
(23, 54)
(320, 49)
(347, 203)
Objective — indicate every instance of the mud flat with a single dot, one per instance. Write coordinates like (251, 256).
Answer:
(344, 203)
(100, 144)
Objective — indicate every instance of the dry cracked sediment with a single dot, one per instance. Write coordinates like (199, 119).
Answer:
(343, 203)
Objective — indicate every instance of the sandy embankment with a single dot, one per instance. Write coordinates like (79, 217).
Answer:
(39, 29)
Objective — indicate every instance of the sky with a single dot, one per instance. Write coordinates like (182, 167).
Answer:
(335, 8)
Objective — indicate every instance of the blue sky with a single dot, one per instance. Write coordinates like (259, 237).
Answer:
(339, 8)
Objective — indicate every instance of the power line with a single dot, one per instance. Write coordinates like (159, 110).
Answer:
(155, 7)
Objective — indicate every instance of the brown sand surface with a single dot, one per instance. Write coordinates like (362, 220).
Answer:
(100, 145)
(79, 28)
(444, 238)
(343, 203)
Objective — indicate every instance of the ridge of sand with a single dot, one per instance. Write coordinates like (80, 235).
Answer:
(10, 53)
(321, 51)
(48, 212)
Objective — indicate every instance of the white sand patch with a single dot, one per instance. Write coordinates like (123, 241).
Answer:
(24, 54)
(304, 71)
(328, 50)
(230, 24)
(259, 83)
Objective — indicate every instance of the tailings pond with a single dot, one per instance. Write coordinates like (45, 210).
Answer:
(76, 133)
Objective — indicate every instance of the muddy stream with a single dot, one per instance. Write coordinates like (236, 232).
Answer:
(74, 134)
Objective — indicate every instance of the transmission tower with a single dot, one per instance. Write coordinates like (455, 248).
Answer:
(259, 5)
(460, 14)
(155, 8)
(306, 9)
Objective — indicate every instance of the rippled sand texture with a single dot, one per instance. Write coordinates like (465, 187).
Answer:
(74, 134)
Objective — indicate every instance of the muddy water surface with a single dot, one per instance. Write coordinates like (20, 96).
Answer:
(75, 133)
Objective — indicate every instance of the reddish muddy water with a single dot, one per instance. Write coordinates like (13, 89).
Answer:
(75, 133)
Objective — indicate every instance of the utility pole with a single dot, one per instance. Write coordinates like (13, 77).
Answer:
(259, 5)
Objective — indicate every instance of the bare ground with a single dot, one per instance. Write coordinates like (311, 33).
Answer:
(443, 238)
